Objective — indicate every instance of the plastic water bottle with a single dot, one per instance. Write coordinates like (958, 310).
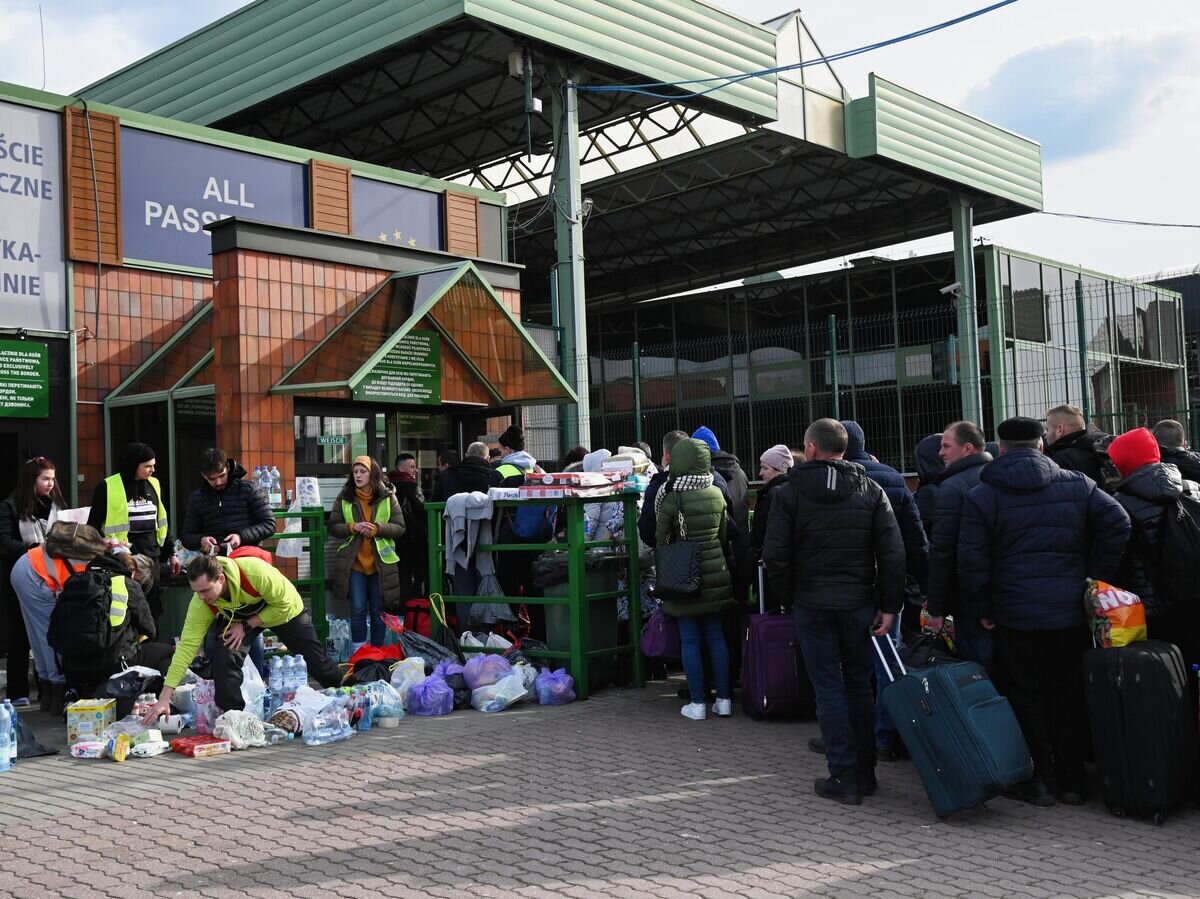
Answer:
(301, 672)
(275, 678)
(13, 718)
(288, 676)
(276, 482)
(332, 640)
(6, 738)
(264, 482)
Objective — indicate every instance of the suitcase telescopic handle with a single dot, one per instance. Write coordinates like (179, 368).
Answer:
(762, 598)
(895, 655)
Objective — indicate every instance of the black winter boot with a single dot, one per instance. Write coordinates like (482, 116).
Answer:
(840, 787)
(43, 695)
(58, 699)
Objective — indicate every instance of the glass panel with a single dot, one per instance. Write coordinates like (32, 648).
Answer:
(181, 358)
(1124, 320)
(484, 334)
(1029, 305)
(329, 440)
(1060, 300)
(1146, 314)
(1097, 326)
(1164, 346)
(1006, 299)
(370, 326)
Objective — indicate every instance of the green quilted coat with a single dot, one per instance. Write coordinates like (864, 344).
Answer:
(704, 518)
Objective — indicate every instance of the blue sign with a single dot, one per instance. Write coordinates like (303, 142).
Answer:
(400, 216)
(171, 188)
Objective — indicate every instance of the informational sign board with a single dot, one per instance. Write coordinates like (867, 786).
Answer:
(332, 440)
(410, 373)
(24, 379)
(396, 215)
(32, 267)
(171, 188)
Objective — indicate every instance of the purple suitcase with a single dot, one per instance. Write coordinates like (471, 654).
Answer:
(774, 682)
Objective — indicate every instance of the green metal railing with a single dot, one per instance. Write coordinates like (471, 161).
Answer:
(580, 652)
(313, 586)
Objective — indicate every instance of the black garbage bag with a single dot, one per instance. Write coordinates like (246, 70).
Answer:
(415, 644)
(126, 687)
(550, 568)
(367, 671)
(28, 746)
(926, 650)
(443, 634)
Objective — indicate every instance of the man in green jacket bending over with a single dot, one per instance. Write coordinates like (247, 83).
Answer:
(237, 599)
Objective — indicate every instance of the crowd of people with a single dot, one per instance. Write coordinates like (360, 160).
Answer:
(999, 538)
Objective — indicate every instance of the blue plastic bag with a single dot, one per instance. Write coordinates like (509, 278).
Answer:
(554, 687)
(485, 670)
(431, 698)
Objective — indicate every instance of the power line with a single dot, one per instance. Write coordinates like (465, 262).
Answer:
(1112, 221)
(735, 78)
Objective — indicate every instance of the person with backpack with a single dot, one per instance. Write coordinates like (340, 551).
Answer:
(25, 517)
(1174, 450)
(237, 598)
(368, 520)
(413, 547)
(127, 508)
(1074, 445)
(101, 623)
(470, 475)
(1161, 563)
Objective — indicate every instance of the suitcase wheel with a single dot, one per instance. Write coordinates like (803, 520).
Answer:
(1159, 818)
(1118, 812)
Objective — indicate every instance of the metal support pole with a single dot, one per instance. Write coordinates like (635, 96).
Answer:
(1085, 394)
(833, 368)
(962, 221)
(635, 359)
(566, 197)
(952, 357)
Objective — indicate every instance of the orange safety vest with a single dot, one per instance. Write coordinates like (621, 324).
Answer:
(43, 563)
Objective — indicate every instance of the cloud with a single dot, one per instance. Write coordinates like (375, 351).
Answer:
(1087, 93)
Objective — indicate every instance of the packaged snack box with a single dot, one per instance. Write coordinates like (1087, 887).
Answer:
(87, 719)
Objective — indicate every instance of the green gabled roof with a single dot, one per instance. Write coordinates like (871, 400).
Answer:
(272, 46)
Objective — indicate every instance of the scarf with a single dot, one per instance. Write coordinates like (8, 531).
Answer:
(682, 483)
(364, 559)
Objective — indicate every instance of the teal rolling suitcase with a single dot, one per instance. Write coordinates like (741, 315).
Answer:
(962, 735)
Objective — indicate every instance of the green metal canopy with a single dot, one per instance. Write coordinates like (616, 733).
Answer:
(454, 303)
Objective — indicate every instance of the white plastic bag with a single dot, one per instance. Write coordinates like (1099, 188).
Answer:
(253, 689)
(495, 641)
(291, 547)
(528, 674)
(298, 714)
(468, 641)
(242, 729)
(407, 674)
(499, 696)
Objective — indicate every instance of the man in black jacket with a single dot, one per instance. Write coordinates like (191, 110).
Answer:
(962, 452)
(1173, 448)
(1075, 445)
(472, 475)
(227, 509)
(413, 547)
(833, 545)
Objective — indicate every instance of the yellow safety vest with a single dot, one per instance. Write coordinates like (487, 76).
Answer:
(120, 600)
(116, 517)
(385, 545)
(508, 470)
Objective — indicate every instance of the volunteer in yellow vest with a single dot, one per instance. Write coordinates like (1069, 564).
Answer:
(368, 520)
(236, 599)
(127, 508)
(514, 570)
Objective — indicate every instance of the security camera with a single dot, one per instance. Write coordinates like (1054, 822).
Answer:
(954, 289)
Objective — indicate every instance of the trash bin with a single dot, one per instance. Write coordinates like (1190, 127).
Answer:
(175, 602)
(601, 621)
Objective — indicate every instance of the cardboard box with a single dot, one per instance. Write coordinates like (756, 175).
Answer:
(567, 479)
(540, 491)
(87, 718)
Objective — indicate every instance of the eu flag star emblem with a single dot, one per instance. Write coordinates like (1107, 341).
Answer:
(412, 241)
(399, 235)
(382, 236)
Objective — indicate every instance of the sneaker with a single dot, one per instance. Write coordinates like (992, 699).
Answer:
(723, 708)
(839, 790)
(695, 711)
(21, 702)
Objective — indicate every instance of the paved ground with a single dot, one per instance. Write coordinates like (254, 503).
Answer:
(617, 796)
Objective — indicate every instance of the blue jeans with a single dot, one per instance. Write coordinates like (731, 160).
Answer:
(37, 602)
(883, 722)
(973, 642)
(838, 657)
(366, 600)
(708, 627)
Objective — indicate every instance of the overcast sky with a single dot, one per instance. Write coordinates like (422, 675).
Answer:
(1111, 89)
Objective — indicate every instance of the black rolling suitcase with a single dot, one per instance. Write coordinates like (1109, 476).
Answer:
(1143, 727)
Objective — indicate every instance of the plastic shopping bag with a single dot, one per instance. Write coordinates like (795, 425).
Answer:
(243, 730)
(554, 687)
(204, 698)
(406, 675)
(1117, 616)
(452, 674)
(253, 689)
(291, 547)
(499, 696)
(296, 715)
(483, 670)
(430, 698)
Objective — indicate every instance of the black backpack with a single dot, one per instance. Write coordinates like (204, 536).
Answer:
(1179, 550)
(80, 630)
(1110, 475)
